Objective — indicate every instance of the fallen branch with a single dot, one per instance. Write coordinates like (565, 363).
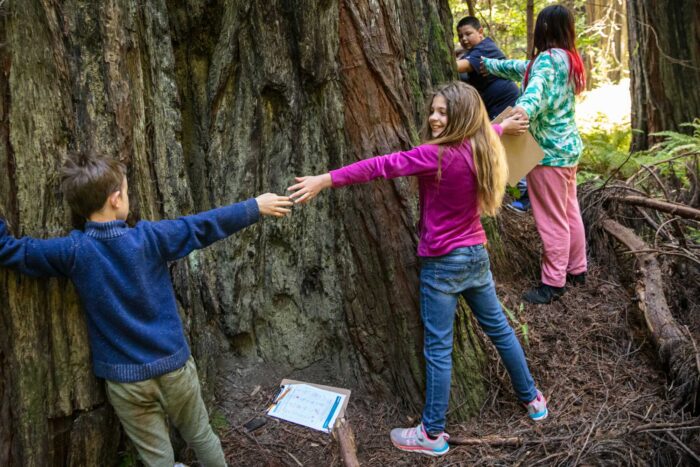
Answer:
(487, 441)
(674, 348)
(671, 208)
(346, 440)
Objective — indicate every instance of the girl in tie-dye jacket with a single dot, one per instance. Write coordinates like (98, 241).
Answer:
(550, 81)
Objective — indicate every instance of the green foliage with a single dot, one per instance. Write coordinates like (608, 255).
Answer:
(606, 152)
(513, 191)
(679, 144)
(128, 458)
(524, 330)
(219, 422)
(676, 149)
(605, 148)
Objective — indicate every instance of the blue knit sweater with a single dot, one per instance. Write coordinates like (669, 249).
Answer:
(121, 275)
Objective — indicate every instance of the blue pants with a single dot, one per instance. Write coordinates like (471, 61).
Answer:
(522, 187)
(467, 272)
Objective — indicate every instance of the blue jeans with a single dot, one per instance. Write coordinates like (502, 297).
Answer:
(467, 272)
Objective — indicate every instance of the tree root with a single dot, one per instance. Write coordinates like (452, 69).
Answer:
(676, 350)
(346, 440)
(675, 209)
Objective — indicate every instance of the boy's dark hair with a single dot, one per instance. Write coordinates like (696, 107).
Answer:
(469, 21)
(87, 180)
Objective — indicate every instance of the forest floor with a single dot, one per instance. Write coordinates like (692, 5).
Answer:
(608, 397)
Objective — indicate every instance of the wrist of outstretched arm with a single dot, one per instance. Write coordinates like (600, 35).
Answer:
(337, 178)
(527, 106)
(252, 210)
(327, 180)
(234, 216)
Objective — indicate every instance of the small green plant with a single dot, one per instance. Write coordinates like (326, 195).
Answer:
(218, 421)
(513, 191)
(605, 148)
(516, 322)
(606, 152)
(128, 458)
(678, 144)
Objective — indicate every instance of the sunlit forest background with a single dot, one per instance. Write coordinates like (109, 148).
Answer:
(603, 111)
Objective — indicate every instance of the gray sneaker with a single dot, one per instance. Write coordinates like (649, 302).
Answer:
(537, 408)
(417, 440)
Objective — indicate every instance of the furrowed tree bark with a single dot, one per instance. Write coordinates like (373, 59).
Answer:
(675, 350)
(664, 49)
(208, 103)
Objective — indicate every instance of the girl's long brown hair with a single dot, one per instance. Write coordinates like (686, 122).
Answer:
(556, 28)
(467, 119)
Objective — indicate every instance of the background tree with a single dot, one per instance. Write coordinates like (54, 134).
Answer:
(664, 40)
(210, 102)
(530, 22)
(603, 41)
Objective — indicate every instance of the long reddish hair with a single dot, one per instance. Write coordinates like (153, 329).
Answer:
(555, 29)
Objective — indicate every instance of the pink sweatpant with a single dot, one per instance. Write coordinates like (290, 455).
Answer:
(552, 193)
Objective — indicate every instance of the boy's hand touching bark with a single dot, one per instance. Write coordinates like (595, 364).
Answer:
(271, 204)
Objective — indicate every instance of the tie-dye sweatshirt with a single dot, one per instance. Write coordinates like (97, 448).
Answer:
(549, 102)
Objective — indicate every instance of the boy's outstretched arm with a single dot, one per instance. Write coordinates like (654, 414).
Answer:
(34, 257)
(177, 238)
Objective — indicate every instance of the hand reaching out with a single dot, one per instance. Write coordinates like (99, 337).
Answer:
(517, 123)
(517, 110)
(307, 188)
(482, 68)
(271, 204)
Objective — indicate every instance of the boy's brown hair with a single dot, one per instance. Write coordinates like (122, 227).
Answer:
(87, 180)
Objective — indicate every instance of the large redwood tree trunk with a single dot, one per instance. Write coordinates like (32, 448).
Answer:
(211, 102)
(664, 65)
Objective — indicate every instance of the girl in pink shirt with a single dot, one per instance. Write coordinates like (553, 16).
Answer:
(462, 173)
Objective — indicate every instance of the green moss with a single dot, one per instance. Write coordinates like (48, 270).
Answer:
(440, 53)
(218, 421)
(468, 360)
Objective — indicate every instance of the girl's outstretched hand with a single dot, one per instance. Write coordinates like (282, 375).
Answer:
(515, 124)
(517, 110)
(482, 68)
(307, 188)
(271, 204)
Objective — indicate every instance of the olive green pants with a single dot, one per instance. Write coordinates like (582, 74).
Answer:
(144, 407)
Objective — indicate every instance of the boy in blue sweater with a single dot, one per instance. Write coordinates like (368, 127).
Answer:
(121, 275)
(497, 93)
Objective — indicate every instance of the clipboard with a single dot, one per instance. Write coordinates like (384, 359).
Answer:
(345, 392)
(522, 152)
(312, 405)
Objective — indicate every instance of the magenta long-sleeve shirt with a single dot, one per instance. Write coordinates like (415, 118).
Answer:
(449, 207)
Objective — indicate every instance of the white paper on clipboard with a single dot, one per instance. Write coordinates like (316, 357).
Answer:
(309, 405)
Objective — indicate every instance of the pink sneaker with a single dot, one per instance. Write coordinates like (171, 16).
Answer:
(417, 440)
(537, 408)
